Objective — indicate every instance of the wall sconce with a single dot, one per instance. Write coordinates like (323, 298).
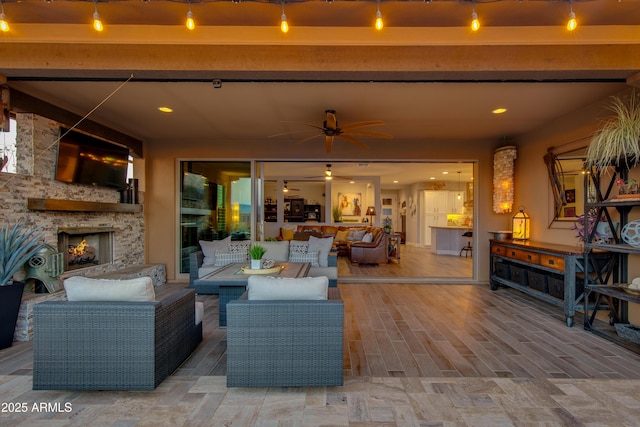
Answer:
(521, 225)
(503, 177)
(371, 212)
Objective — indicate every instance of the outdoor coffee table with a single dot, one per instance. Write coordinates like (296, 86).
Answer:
(232, 281)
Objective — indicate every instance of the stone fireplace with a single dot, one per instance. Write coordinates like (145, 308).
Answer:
(85, 246)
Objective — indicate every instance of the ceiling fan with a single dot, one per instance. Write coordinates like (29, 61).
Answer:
(329, 175)
(330, 130)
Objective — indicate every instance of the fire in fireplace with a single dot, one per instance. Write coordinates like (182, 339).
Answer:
(85, 247)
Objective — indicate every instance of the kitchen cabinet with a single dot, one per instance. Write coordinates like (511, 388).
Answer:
(435, 206)
(455, 205)
(607, 292)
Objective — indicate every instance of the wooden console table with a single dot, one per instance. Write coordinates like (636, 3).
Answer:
(549, 272)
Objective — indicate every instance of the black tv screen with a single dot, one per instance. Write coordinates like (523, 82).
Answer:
(83, 159)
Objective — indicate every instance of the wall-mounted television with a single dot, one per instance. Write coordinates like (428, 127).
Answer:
(83, 159)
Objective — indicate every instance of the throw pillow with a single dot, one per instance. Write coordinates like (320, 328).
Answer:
(356, 234)
(298, 247)
(287, 234)
(239, 246)
(284, 288)
(341, 235)
(310, 257)
(224, 258)
(209, 249)
(323, 247)
(367, 238)
(277, 251)
(80, 288)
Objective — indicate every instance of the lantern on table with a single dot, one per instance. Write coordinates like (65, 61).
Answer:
(521, 225)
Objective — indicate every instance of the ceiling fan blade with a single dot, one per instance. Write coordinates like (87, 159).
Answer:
(367, 133)
(305, 124)
(308, 139)
(355, 125)
(328, 142)
(287, 133)
(332, 122)
(353, 141)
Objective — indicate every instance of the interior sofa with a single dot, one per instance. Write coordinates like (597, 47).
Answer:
(347, 238)
(114, 345)
(279, 251)
(285, 340)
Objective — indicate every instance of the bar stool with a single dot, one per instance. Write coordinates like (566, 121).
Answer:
(468, 250)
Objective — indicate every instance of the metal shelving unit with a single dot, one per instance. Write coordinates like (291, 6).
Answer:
(607, 289)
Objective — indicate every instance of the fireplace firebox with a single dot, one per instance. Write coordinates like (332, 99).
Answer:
(85, 247)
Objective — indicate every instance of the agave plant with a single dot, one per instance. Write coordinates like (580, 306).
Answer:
(619, 138)
(17, 245)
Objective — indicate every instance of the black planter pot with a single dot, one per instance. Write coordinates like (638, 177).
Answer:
(10, 299)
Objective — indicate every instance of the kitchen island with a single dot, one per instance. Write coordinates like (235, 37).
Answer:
(448, 240)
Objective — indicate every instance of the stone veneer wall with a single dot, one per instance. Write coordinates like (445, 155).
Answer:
(37, 152)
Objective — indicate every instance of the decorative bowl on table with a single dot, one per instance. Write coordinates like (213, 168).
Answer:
(273, 270)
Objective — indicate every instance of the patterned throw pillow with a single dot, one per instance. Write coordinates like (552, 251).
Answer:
(241, 246)
(298, 247)
(223, 258)
(310, 257)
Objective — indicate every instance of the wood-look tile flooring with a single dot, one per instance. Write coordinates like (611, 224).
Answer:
(415, 262)
(415, 355)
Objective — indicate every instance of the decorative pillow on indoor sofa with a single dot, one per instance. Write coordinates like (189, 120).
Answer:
(285, 288)
(80, 288)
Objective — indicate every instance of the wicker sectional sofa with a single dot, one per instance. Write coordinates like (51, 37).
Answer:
(279, 251)
(113, 345)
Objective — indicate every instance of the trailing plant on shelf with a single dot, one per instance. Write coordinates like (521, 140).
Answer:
(618, 140)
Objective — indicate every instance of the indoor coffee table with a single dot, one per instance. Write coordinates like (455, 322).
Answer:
(232, 282)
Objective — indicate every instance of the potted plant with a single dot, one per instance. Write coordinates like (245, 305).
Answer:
(256, 253)
(17, 245)
(617, 141)
(336, 213)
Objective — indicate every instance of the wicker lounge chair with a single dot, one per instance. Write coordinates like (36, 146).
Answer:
(113, 345)
(285, 343)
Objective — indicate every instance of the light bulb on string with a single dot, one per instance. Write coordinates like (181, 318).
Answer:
(379, 24)
(4, 24)
(190, 23)
(97, 22)
(572, 24)
(284, 25)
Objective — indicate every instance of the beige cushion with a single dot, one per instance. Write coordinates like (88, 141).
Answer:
(323, 247)
(80, 288)
(277, 251)
(209, 249)
(283, 288)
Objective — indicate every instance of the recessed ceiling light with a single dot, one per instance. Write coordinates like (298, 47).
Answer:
(352, 182)
(499, 110)
(433, 177)
(395, 181)
(165, 109)
(445, 173)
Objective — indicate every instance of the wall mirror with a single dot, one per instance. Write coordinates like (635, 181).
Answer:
(566, 178)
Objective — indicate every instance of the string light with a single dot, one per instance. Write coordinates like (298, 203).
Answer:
(572, 24)
(190, 23)
(4, 25)
(379, 24)
(475, 23)
(284, 25)
(97, 22)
